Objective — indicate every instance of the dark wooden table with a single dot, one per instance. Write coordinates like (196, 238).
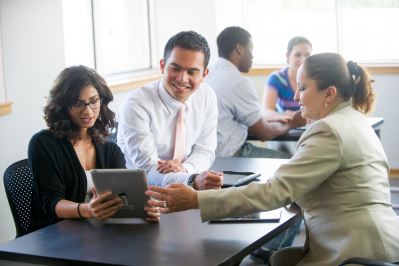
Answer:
(179, 238)
(295, 133)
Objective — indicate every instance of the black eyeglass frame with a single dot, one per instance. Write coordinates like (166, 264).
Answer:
(82, 106)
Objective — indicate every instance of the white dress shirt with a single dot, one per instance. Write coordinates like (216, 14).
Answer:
(238, 106)
(146, 131)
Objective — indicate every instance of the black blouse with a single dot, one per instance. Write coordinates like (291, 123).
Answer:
(58, 174)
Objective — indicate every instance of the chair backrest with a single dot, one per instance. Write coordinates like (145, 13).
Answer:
(18, 184)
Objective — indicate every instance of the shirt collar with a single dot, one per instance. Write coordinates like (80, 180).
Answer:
(222, 62)
(340, 106)
(171, 103)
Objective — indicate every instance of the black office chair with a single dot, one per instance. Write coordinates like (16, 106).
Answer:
(18, 184)
(366, 262)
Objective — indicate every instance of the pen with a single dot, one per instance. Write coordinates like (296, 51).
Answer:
(247, 179)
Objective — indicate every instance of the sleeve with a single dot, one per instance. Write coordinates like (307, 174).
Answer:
(158, 179)
(140, 144)
(134, 128)
(203, 151)
(318, 157)
(117, 160)
(48, 180)
(246, 105)
(272, 82)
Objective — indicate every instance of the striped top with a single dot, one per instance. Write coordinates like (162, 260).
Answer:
(279, 82)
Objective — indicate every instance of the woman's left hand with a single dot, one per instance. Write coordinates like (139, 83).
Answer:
(153, 214)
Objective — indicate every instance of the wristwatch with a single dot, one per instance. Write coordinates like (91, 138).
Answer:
(191, 180)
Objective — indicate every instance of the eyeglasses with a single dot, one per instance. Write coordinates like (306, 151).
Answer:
(80, 106)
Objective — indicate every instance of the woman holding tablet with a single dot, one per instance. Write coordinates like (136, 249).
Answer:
(78, 120)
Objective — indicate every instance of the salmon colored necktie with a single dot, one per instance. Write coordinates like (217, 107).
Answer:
(180, 137)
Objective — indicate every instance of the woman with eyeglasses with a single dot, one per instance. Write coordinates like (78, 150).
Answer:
(78, 120)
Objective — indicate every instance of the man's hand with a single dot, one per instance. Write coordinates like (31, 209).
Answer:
(168, 166)
(208, 180)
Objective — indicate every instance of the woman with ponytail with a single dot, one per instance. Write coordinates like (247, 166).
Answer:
(338, 175)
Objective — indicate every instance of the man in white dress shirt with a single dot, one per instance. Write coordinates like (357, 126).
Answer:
(239, 109)
(147, 129)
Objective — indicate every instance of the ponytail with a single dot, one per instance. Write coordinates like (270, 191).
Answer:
(363, 96)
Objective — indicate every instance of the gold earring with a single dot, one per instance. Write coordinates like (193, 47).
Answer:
(325, 103)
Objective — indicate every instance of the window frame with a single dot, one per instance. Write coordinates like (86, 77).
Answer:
(339, 39)
(129, 75)
(5, 105)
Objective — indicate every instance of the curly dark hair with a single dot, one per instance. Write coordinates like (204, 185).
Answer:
(65, 91)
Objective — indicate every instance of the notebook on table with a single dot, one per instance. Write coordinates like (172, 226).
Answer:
(235, 179)
(272, 216)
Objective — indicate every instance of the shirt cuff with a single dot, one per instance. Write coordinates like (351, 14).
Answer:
(189, 168)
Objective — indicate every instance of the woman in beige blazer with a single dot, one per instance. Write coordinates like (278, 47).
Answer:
(339, 174)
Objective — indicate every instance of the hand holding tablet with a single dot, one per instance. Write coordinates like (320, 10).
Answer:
(129, 185)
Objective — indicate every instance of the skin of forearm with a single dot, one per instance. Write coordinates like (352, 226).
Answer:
(264, 130)
(67, 209)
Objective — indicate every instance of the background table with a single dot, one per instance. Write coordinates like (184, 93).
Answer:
(295, 133)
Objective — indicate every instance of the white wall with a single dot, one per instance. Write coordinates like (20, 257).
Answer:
(33, 55)
(173, 16)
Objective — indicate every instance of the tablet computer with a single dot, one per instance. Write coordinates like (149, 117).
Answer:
(128, 184)
(235, 179)
(272, 216)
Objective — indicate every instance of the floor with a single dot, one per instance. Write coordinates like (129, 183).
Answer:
(300, 238)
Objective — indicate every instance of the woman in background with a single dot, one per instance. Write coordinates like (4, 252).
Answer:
(278, 100)
(338, 176)
(78, 120)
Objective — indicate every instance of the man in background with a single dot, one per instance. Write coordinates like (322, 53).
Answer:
(239, 112)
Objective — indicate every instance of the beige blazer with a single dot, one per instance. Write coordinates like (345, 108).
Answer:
(339, 176)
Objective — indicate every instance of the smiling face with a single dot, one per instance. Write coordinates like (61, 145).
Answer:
(86, 117)
(310, 98)
(297, 55)
(183, 72)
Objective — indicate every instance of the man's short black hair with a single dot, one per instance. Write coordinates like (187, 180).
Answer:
(229, 38)
(189, 40)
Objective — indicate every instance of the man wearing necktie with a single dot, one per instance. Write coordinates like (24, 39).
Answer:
(168, 127)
